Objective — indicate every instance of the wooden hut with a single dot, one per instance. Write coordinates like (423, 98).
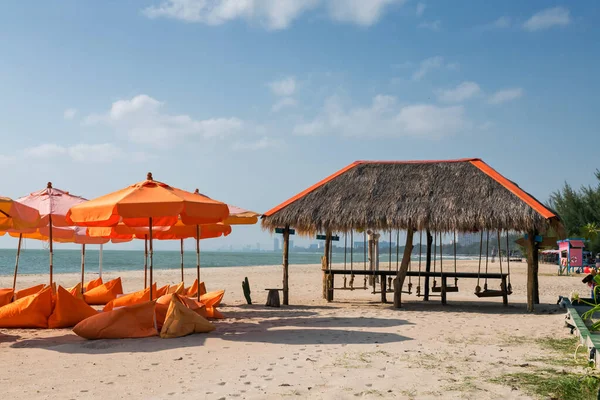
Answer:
(462, 195)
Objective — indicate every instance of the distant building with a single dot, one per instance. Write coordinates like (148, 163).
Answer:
(291, 244)
(258, 246)
(276, 247)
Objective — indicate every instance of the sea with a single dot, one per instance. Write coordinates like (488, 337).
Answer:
(34, 261)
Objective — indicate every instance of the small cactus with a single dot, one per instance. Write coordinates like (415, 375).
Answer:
(246, 289)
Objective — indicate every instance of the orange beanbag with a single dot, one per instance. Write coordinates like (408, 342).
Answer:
(69, 310)
(130, 299)
(181, 321)
(93, 284)
(212, 299)
(76, 291)
(104, 293)
(179, 289)
(28, 291)
(193, 290)
(28, 312)
(6, 296)
(160, 292)
(134, 321)
(194, 305)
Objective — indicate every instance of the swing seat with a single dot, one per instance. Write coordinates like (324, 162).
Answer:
(438, 289)
(491, 293)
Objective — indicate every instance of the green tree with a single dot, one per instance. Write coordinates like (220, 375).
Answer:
(580, 212)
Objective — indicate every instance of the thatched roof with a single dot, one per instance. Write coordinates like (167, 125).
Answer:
(455, 195)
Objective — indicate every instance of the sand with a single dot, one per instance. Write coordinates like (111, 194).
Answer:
(353, 347)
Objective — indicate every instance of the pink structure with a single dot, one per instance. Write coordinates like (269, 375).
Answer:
(571, 253)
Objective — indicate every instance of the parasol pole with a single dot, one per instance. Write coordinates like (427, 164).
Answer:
(17, 263)
(146, 261)
(82, 265)
(181, 260)
(198, 258)
(150, 225)
(51, 248)
(100, 261)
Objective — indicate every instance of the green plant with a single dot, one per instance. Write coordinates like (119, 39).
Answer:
(246, 289)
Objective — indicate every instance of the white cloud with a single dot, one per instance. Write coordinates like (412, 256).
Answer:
(260, 144)
(421, 9)
(431, 64)
(5, 160)
(460, 93)
(360, 12)
(143, 120)
(89, 153)
(273, 14)
(548, 18)
(432, 25)
(384, 117)
(284, 102)
(284, 87)
(502, 96)
(502, 22)
(69, 113)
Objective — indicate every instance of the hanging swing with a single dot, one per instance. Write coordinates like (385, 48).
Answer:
(449, 288)
(491, 292)
(420, 252)
(348, 284)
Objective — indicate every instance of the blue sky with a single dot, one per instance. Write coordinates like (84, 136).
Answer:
(251, 101)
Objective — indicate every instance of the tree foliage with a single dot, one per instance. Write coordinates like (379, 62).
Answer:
(580, 212)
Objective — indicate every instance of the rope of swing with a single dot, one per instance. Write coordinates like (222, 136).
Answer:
(487, 253)
(478, 288)
(509, 288)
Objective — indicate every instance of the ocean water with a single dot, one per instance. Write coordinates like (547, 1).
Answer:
(66, 261)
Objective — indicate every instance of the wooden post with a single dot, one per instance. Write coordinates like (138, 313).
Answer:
(536, 266)
(182, 261)
(504, 292)
(151, 255)
(399, 281)
(530, 270)
(325, 261)
(14, 287)
(443, 292)
(383, 289)
(428, 265)
(145, 261)
(286, 249)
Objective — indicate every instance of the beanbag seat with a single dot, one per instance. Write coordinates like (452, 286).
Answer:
(69, 310)
(212, 300)
(163, 302)
(160, 292)
(93, 284)
(178, 289)
(130, 299)
(196, 306)
(182, 321)
(31, 311)
(136, 321)
(104, 293)
(28, 291)
(193, 290)
(76, 291)
(6, 296)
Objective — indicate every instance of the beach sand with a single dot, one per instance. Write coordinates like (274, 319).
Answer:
(353, 347)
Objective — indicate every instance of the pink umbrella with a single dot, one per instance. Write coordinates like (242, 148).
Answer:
(53, 205)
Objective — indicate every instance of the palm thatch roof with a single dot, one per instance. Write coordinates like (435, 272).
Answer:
(455, 195)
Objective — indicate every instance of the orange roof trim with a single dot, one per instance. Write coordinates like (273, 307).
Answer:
(514, 189)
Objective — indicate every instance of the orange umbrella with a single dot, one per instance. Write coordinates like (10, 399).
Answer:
(149, 204)
(16, 215)
(237, 215)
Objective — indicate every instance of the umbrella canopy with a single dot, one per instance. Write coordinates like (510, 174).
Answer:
(237, 215)
(16, 215)
(52, 205)
(136, 204)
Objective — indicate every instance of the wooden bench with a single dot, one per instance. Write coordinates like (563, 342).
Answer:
(273, 298)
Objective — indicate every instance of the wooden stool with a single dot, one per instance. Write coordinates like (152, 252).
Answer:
(273, 298)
